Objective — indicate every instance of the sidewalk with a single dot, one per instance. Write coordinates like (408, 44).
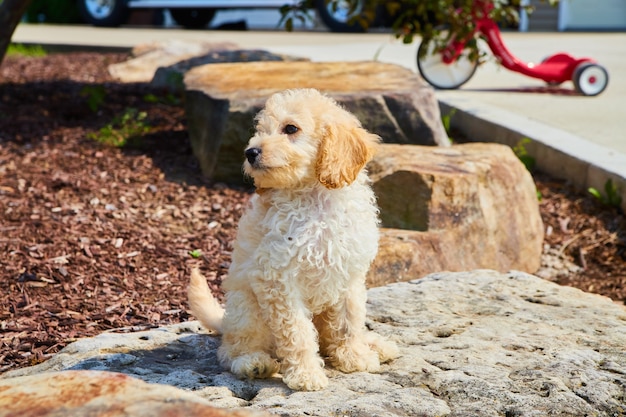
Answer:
(581, 138)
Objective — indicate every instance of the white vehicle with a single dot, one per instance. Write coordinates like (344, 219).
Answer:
(196, 14)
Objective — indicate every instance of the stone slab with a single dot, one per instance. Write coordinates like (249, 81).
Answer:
(478, 343)
(148, 57)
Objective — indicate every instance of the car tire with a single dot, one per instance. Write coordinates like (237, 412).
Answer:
(106, 13)
(193, 18)
(338, 20)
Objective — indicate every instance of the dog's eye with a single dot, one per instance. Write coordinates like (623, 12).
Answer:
(290, 129)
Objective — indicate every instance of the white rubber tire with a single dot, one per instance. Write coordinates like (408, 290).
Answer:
(439, 74)
(590, 79)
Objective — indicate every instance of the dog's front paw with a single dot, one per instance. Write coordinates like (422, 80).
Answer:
(254, 365)
(355, 357)
(309, 379)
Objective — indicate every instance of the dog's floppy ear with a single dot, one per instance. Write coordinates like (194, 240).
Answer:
(343, 152)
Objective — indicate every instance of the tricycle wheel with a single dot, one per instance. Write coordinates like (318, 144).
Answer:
(590, 79)
(439, 74)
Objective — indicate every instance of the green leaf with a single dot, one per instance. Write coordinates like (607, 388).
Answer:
(150, 98)
(521, 152)
(595, 193)
(32, 51)
(125, 129)
(95, 95)
(528, 161)
(612, 195)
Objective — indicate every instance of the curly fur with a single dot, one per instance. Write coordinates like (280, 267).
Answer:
(296, 285)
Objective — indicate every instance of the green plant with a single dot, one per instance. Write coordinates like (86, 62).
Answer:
(150, 98)
(175, 81)
(298, 11)
(520, 151)
(95, 95)
(196, 253)
(446, 120)
(611, 196)
(423, 18)
(26, 50)
(125, 129)
(168, 99)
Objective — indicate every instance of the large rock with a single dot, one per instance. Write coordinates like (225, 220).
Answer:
(172, 76)
(478, 343)
(222, 100)
(165, 63)
(465, 207)
(148, 57)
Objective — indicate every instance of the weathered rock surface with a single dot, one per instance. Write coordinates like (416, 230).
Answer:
(222, 100)
(164, 64)
(465, 207)
(478, 343)
(172, 76)
(148, 57)
(97, 393)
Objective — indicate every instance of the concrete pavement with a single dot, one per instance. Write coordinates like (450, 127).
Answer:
(579, 138)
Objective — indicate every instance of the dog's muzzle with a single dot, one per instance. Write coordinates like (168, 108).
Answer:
(252, 154)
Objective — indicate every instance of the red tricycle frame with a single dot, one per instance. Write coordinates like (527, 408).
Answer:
(451, 67)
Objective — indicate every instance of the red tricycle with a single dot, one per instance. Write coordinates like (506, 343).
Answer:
(451, 67)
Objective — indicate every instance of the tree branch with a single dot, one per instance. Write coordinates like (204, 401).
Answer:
(11, 11)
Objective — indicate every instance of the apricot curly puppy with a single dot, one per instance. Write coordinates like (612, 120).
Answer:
(303, 248)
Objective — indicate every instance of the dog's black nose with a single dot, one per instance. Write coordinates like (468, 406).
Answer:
(252, 154)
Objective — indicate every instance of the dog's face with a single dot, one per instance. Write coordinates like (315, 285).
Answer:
(303, 137)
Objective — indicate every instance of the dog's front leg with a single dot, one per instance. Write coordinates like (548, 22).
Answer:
(342, 331)
(346, 341)
(294, 333)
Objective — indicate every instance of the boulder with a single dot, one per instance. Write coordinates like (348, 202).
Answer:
(164, 64)
(472, 343)
(460, 208)
(172, 76)
(148, 57)
(222, 100)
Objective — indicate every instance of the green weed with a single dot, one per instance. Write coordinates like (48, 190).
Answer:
(125, 129)
(95, 95)
(611, 195)
(196, 253)
(290, 13)
(169, 99)
(150, 98)
(175, 81)
(446, 120)
(18, 49)
(521, 152)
